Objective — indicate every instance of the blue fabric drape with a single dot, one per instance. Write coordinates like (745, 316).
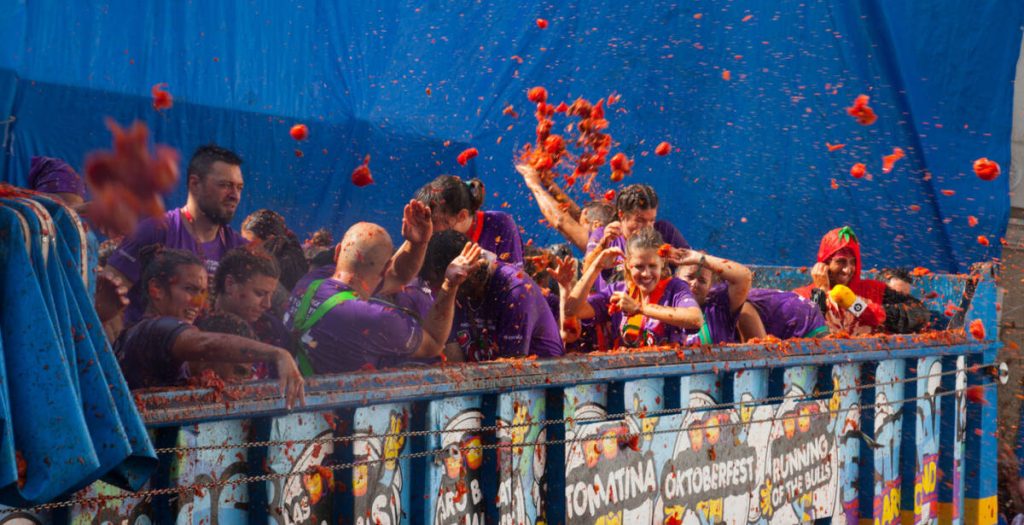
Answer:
(751, 151)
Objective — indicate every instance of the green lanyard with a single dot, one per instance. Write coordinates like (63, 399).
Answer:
(304, 322)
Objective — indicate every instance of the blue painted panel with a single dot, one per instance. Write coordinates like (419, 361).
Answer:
(521, 469)
(455, 493)
(381, 490)
(305, 496)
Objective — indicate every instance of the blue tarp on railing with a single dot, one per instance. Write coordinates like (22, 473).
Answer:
(751, 156)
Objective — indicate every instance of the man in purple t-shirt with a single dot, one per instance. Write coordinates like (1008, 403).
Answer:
(201, 226)
(342, 322)
(501, 311)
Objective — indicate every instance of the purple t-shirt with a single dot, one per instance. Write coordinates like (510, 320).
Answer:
(171, 233)
(653, 332)
(271, 330)
(144, 351)
(354, 333)
(415, 297)
(500, 235)
(785, 315)
(514, 320)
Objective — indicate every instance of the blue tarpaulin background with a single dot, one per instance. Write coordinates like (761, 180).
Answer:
(751, 179)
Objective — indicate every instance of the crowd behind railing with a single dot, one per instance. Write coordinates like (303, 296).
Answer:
(187, 300)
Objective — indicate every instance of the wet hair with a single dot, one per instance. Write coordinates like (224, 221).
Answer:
(644, 239)
(162, 264)
(636, 197)
(321, 238)
(444, 247)
(204, 157)
(898, 273)
(265, 224)
(323, 257)
(244, 263)
(599, 210)
(449, 195)
(225, 323)
(560, 250)
(290, 259)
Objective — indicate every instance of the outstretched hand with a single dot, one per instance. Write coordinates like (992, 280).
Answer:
(565, 271)
(292, 383)
(461, 266)
(416, 225)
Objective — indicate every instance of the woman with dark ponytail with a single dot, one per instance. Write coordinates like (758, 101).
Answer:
(154, 350)
(455, 205)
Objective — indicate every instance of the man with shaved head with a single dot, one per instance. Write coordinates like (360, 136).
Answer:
(344, 325)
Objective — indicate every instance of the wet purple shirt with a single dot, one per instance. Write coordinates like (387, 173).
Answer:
(144, 352)
(500, 235)
(171, 233)
(355, 333)
(514, 320)
(784, 314)
(654, 332)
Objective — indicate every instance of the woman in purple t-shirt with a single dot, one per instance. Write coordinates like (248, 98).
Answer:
(649, 307)
(455, 205)
(152, 352)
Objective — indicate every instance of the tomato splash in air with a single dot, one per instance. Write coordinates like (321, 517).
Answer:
(976, 394)
(127, 183)
(609, 195)
(537, 94)
(299, 132)
(861, 111)
(663, 149)
(834, 147)
(972, 221)
(986, 169)
(541, 23)
(162, 99)
(466, 154)
(889, 160)
(664, 250)
(858, 170)
(982, 240)
(361, 175)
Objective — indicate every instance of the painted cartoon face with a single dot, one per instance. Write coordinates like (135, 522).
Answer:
(314, 486)
(610, 443)
(472, 452)
(393, 444)
(592, 452)
(696, 433)
(453, 462)
(712, 430)
(746, 408)
(789, 425)
(804, 421)
(833, 402)
(360, 480)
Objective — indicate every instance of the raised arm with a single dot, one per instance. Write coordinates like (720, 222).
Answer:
(438, 323)
(557, 208)
(576, 304)
(406, 263)
(194, 345)
(738, 276)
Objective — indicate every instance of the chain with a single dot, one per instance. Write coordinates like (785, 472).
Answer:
(546, 422)
(147, 494)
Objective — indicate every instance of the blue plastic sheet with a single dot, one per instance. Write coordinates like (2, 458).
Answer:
(67, 412)
(751, 150)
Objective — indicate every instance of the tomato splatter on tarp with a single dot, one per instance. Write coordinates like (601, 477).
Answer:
(858, 170)
(834, 147)
(127, 182)
(982, 240)
(986, 169)
(972, 221)
(537, 94)
(948, 193)
(466, 154)
(162, 98)
(889, 161)
(726, 75)
(299, 132)
(663, 149)
(541, 23)
(361, 176)
(861, 111)
(22, 466)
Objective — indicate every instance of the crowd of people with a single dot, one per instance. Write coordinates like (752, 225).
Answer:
(185, 296)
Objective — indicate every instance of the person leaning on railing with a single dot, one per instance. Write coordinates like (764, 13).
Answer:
(153, 352)
(340, 318)
(854, 305)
